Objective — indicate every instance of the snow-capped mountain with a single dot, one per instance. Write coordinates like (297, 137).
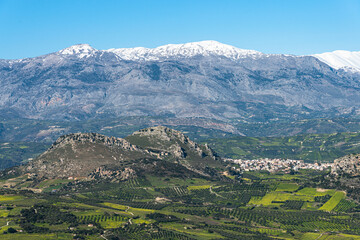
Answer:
(347, 60)
(81, 50)
(203, 48)
(187, 50)
(337, 59)
(341, 59)
(204, 79)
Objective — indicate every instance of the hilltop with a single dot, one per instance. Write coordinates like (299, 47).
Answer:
(156, 150)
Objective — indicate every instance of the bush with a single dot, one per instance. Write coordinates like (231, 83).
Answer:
(11, 230)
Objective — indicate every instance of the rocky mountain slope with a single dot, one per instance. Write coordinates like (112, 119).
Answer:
(204, 79)
(172, 145)
(348, 165)
(157, 150)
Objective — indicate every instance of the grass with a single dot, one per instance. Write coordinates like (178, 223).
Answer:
(88, 213)
(175, 182)
(116, 206)
(4, 213)
(315, 192)
(27, 236)
(333, 201)
(129, 210)
(277, 176)
(52, 182)
(310, 236)
(4, 229)
(309, 147)
(348, 236)
(339, 237)
(269, 231)
(10, 198)
(278, 196)
(111, 224)
(198, 187)
(140, 221)
(287, 187)
(76, 205)
(199, 233)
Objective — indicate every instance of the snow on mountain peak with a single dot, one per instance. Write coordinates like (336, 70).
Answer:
(341, 59)
(82, 50)
(204, 48)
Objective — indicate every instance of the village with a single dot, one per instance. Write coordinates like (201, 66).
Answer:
(277, 164)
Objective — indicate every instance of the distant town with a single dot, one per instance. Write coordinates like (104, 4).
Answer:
(277, 164)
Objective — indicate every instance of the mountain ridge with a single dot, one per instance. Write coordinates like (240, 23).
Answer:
(80, 83)
(338, 59)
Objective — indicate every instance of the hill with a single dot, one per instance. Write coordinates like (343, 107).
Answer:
(308, 147)
(175, 146)
(157, 150)
(166, 200)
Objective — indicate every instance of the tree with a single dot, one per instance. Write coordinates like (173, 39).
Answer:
(11, 230)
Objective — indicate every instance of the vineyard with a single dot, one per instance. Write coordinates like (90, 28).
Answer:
(263, 206)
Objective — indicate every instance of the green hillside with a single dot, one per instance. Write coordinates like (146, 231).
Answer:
(310, 147)
(14, 153)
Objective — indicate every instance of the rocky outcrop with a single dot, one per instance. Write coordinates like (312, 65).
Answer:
(348, 165)
(171, 145)
(168, 142)
(75, 138)
(113, 174)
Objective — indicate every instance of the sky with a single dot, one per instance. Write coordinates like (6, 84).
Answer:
(30, 28)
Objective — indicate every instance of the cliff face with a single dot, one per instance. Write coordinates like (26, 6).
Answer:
(94, 155)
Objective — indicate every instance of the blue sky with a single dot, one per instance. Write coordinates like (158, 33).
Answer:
(30, 28)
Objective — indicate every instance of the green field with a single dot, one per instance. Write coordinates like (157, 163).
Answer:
(309, 147)
(198, 187)
(334, 200)
(315, 192)
(287, 187)
(272, 197)
(258, 205)
(10, 198)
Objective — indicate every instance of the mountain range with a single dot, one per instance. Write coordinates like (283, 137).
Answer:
(207, 80)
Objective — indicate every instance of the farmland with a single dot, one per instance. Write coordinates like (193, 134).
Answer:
(308, 147)
(263, 206)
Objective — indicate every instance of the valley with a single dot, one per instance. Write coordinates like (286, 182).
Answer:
(261, 206)
(179, 120)
(157, 183)
(307, 147)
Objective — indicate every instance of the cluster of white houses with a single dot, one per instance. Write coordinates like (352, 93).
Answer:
(277, 164)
